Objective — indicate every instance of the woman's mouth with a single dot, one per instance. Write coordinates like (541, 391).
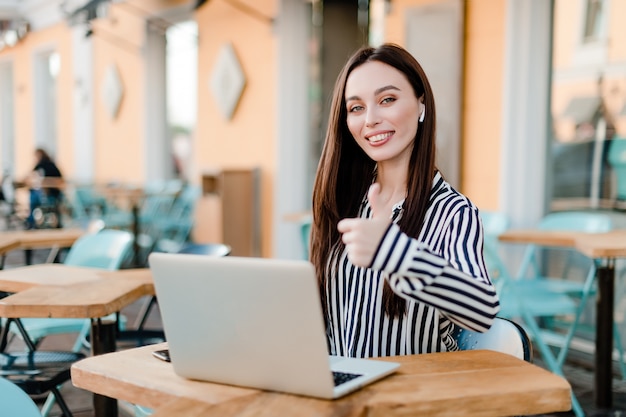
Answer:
(379, 138)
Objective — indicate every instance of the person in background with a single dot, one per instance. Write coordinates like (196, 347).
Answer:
(45, 168)
(398, 251)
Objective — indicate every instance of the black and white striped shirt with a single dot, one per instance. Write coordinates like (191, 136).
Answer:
(442, 275)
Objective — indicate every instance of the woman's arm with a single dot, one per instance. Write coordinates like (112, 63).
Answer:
(455, 282)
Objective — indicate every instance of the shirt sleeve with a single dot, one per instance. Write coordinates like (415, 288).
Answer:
(454, 281)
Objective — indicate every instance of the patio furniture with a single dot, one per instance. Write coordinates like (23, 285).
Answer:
(469, 383)
(62, 291)
(15, 402)
(104, 250)
(36, 373)
(537, 298)
(604, 249)
(504, 336)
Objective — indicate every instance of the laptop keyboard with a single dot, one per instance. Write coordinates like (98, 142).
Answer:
(342, 377)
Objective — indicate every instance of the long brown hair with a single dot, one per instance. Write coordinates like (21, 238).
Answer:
(345, 171)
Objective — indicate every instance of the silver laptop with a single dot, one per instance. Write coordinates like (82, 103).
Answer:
(252, 322)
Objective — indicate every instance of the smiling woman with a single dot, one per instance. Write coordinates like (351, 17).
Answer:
(383, 115)
(398, 251)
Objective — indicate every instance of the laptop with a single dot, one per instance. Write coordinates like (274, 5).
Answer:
(252, 322)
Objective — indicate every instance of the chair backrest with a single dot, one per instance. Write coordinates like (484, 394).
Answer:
(208, 249)
(15, 402)
(105, 249)
(617, 159)
(577, 221)
(305, 235)
(504, 336)
(494, 223)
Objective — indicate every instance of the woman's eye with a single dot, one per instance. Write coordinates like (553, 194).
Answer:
(355, 108)
(387, 100)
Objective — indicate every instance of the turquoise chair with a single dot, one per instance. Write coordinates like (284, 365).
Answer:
(529, 304)
(504, 336)
(305, 235)
(15, 402)
(617, 160)
(530, 270)
(105, 250)
(172, 231)
(141, 411)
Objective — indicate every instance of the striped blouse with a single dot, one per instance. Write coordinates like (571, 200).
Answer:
(442, 275)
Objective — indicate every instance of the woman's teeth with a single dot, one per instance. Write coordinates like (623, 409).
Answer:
(378, 138)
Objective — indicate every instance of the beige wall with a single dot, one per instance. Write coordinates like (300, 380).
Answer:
(118, 141)
(482, 97)
(617, 50)
(249, 138)
(483, 101)
(23, 57)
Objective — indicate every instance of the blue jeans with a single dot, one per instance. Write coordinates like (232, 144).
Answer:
(38, 199)
(35, 201)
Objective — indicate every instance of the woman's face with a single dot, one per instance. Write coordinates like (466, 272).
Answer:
(382, 111)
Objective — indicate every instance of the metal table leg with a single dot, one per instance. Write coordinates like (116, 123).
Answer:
(103, 341)
(604, 336)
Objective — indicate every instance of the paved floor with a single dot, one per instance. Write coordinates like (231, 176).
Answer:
(578, 371)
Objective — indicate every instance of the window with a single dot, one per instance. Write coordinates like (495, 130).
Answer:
(593, 20)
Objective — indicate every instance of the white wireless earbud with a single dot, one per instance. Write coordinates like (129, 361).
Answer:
(423, 114)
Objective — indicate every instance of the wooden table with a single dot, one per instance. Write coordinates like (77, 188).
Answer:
(61, 291)
(468, 383)
(604, 248)
(37, 239)
(40, 182)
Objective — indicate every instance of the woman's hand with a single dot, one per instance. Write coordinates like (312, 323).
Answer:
(362, 236)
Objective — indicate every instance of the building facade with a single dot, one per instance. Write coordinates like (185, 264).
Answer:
(88, 80)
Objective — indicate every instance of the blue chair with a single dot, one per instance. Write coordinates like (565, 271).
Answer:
(531, 300)
(530, 271)
(141, 411)
(504, 336)
(172, 231)
(105, 250)
(617, 160)
(15, 402)
(39, 372)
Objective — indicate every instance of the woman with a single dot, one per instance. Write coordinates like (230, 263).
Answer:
(45, 167)
(398, 251)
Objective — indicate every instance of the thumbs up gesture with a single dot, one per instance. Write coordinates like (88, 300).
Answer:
(362, 236)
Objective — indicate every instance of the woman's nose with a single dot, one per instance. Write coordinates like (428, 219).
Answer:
(372, 118)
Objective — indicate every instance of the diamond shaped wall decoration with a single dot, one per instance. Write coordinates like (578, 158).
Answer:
(227, 81)
(112, 90)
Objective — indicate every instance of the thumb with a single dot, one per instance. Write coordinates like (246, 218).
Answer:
(373, 195)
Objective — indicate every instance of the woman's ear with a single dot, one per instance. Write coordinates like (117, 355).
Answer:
(423, 113)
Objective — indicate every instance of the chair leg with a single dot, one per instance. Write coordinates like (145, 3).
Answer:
(576, 408)
(550, 360)
(47, 406)
(81, 339)
(620, 351)
(61, 402)
(144, 313)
